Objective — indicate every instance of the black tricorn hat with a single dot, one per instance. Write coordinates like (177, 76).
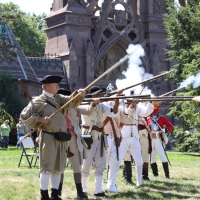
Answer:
(64, 91)
(94, 90)
(50, 79)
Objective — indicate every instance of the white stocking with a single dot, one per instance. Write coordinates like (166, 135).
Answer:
(55, 180)
(44, 180)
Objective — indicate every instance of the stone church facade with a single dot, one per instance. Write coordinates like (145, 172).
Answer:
(88, 37)
(88, 44)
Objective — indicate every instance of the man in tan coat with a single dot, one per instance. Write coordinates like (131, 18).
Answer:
(52, 151)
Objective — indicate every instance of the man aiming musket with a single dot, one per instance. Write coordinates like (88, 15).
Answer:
(52, 151)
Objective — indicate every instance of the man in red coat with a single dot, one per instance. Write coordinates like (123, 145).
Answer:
(159, 126)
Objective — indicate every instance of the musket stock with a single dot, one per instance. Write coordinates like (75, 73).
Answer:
(24, 88)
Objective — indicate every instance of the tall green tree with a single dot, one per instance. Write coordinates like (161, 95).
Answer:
(28, 29)
(182, 25)
(8, 94)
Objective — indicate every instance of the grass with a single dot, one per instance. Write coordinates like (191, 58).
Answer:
(23, 183)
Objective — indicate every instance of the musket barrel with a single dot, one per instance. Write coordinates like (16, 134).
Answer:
(133, 97)
(174, 97)
(171, 92)
(160, 75)
(122, 60)
(171, 99)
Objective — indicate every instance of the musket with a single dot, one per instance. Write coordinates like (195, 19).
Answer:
(132, 97)
(122, 60)
(162, 141)
(171, 92)
(24, 88)
(180, 98)
(150, 79)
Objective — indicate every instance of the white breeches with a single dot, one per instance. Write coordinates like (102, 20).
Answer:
(93, 156)
(144, 142)
(111, 158)
(133, 145)
(157, 148)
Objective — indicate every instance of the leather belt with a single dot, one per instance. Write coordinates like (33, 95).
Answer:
(141, 127)
(50, 133)
(95, 128)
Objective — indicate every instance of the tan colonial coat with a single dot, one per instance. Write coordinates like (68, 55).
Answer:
(52, 152)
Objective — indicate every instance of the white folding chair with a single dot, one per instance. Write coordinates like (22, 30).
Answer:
(27, 143)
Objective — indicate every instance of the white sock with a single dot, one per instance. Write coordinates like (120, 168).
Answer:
(44, 180)
(55, 180)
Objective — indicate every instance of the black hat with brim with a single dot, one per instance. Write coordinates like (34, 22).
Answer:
(50, 79)
(94, 90)
(63, 91)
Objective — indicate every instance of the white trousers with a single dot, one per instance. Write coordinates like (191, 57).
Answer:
(111, 158)
(133, 145)
(157, 148)
(93, 156)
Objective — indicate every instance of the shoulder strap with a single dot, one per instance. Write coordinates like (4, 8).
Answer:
(42, 97)
(50, 103)
(106, 120)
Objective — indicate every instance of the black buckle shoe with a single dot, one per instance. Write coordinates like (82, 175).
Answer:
(82, 195)
(102, 194)
(146, 178)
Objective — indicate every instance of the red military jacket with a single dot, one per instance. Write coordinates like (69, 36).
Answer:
(162, 121)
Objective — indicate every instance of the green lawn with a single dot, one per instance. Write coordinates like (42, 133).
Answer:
(23, 184)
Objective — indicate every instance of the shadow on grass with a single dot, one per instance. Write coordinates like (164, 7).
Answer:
(169, 186)
(138, 194)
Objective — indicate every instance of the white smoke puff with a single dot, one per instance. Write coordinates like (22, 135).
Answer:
(134, 73)
(194, 80)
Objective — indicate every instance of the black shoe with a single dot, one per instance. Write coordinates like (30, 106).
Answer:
(44, 195)
(102, 194)
(154, 168)
(166, 169)
(129, 182)
(54, 194)
(145, 178)
(82, 195)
